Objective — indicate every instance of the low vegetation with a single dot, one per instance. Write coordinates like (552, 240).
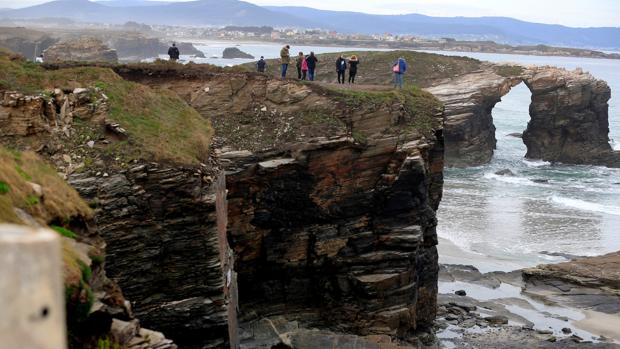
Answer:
(22, 176)
(420, 106)
(159, 123)
(376, 67)
(509, 70)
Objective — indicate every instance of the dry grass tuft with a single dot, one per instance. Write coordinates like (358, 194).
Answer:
(18, 172)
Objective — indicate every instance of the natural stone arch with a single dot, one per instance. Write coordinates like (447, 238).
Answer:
(568, 115)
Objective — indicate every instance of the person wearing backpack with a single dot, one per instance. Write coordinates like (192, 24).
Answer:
(399, 69)
(341, 68)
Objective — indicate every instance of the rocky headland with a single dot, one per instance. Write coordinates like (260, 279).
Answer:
(330, 196)
(569, 109)
(80, 50)
(130, 46)
(239, 210)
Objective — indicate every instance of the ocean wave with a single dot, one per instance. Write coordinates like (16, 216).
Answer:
(535, 163)
(586, 205)
(514, 180)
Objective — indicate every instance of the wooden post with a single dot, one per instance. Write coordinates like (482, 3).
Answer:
(32, 310)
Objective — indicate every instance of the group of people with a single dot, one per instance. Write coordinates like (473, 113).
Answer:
(341, 68)
(306, 67)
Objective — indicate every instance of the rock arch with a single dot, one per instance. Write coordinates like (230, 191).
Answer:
(569, 119)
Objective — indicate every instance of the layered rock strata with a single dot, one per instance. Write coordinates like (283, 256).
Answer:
(332, 200)
(569, 115)
(164, 248)
(80, 50)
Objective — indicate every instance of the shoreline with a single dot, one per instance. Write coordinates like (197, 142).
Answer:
(434, 49)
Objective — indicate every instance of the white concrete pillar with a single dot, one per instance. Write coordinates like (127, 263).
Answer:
(32, 309)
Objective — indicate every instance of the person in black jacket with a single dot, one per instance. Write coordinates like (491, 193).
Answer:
(261, 65)
(174, 53)
(312, 61)
(341, 68)
(353, 62)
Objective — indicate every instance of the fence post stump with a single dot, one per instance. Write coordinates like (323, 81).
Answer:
(32, 309)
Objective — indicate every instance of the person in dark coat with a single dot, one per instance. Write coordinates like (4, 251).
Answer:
(341, 68)
(174, 53)
(353, 62)
(261, 65)
(312, 61)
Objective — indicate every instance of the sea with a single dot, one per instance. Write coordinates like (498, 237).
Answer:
(506, 223)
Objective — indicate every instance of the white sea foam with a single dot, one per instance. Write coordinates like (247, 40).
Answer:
(586, 206)
(513, 180)
(535, 163)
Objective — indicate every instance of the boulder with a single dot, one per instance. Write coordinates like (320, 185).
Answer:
(505, 172)
(233, 52)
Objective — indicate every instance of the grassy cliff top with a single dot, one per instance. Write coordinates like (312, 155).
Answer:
(21, 174)
(159, 123)
(375, 67)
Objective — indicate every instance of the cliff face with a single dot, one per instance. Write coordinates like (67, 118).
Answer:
(164, 249)
(569, 115)
(28, 43)
(332, 198)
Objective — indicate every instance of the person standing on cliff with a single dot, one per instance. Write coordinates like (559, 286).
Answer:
(399, 69)
(353, 62)
(298, 62)
(341, 68)
(285, 59)
(312, 61)
(174, 53)
(304, 68)
(261, 65)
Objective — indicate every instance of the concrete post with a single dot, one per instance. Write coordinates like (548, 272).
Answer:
(32, 310)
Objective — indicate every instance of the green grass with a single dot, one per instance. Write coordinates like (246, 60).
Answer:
(420, 106)
(159, 123)
(509, 70)
(23, 173)
(64, 232)
(4, 188)
(107, 343)
(375, 67)
(32, 200)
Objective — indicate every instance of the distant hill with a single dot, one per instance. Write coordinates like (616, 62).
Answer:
(201, 12)
(240, 13)
(132, 3)
(500, 29)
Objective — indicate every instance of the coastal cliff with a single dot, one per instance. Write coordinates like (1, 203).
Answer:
(569, 109)
(331, 196)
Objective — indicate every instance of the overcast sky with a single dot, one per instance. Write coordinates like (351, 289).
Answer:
(579, 13)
